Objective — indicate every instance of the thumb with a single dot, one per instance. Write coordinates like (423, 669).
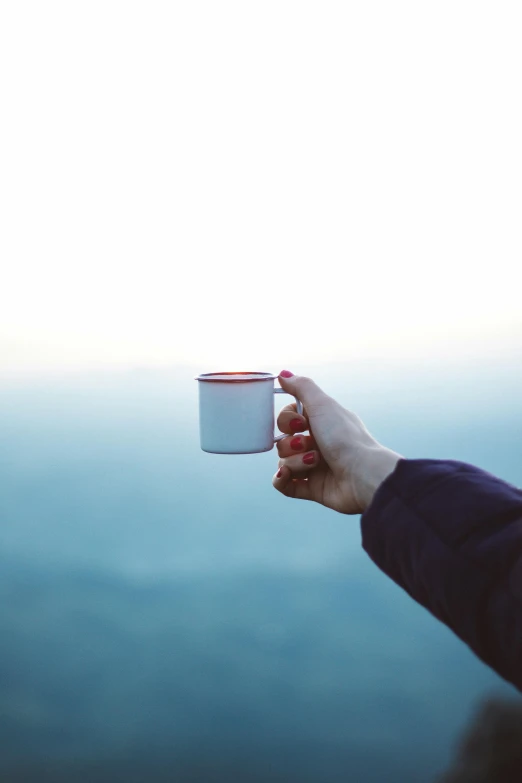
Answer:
(305, 389)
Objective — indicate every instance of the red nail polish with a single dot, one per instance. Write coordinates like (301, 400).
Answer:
(309, 458)
(296, 444)
(296, 424)
(279, 473)
(286, 374)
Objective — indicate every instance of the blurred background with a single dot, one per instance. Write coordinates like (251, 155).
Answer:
(331, 188)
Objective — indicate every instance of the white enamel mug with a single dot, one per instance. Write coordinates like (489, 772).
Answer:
(236, 412)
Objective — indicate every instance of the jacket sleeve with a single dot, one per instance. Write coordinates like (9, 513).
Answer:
(450, 534)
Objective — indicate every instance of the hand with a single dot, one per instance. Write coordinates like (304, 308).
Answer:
(339, 465)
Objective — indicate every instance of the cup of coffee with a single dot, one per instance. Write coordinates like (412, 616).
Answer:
(236, 412)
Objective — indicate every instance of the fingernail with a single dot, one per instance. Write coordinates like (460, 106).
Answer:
(286, 374)
(296, 444)
(309, 458)
(296, 424)
(279, 473)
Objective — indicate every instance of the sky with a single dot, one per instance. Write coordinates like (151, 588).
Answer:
(253, 185)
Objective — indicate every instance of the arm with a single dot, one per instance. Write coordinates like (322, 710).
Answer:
(450, 534)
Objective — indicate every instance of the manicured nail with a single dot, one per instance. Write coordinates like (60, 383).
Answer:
(286, 374)
(296, 424)
(309, 458)
(279, 473)
(296, 444)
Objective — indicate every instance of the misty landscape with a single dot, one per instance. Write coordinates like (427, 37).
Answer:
(202, 187)
(166, 615)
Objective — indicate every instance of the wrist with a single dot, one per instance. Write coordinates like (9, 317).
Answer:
(374, 464)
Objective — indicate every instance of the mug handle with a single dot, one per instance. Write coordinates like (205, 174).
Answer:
(278, 390)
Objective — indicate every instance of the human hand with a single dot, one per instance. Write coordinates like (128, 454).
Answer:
(339, 464)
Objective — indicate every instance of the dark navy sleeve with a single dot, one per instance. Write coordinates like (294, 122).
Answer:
(450, 534)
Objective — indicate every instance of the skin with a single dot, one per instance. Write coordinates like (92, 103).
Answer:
(348, 463)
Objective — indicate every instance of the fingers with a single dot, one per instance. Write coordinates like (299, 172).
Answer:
(285, 483)
(296, 444)
(290, 478)
(300, 464)
(305, 389)
(290, 422)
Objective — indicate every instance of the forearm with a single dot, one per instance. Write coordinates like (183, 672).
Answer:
(451, 536)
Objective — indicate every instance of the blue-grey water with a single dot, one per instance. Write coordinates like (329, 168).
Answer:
(166, 615)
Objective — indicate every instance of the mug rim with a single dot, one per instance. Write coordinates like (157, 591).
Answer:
(209, 377)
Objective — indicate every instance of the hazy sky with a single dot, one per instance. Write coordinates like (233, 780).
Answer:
(258, 183)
